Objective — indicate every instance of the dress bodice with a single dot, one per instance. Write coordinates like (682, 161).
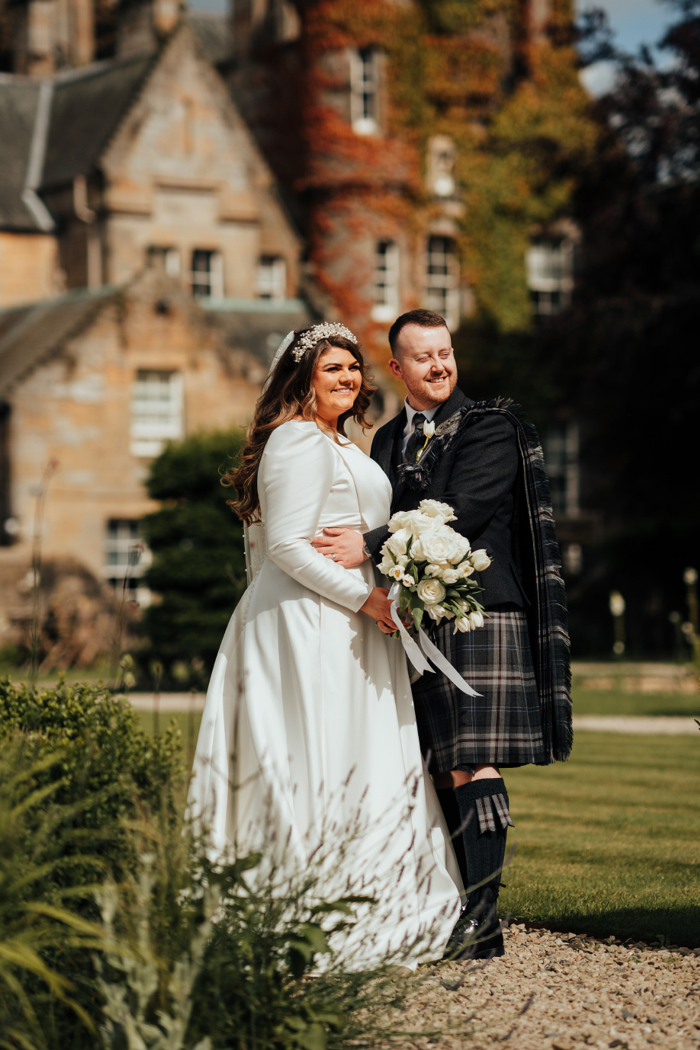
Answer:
(308, 482)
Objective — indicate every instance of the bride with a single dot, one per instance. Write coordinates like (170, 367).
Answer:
(308, 732)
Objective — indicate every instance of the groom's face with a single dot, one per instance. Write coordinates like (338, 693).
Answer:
(425, 361)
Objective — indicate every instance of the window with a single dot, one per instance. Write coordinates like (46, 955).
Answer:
(442, 280)
(207, 276)
(364, 90)
(385, 291)
(550, 274)
(156, 411)
(165, 259)
(562, 462)
(441, 162)
(126, 558)
(272, 277)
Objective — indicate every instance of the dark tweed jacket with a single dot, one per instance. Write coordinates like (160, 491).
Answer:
(477, 477)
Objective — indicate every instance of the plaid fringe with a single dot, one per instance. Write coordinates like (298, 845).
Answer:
(547, 619)
(492, 808)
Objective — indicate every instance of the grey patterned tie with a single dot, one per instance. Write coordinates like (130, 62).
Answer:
(416, 439)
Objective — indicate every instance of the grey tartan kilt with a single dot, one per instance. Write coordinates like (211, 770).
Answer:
(503, 726)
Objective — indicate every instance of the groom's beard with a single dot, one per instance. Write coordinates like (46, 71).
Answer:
(431, 394)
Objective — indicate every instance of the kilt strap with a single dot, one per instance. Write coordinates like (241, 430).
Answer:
(493, 808)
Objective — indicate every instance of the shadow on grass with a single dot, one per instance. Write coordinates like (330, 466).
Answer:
(679, 926)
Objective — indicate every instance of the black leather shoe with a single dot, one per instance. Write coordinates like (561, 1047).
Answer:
(475, 937)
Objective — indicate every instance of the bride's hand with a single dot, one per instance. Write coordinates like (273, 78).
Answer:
(378, 607)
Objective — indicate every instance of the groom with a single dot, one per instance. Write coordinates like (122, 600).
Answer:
(485, 461)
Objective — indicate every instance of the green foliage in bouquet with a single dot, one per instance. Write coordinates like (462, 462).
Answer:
(198, 568)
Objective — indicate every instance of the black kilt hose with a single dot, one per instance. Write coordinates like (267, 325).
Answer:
(503, 726)
(486, 462)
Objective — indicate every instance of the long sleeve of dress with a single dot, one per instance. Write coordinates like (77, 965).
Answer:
(295, 477)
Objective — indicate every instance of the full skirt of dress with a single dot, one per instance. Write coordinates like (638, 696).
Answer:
(308, 749)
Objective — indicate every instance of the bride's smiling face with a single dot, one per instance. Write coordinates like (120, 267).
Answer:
(336, 383)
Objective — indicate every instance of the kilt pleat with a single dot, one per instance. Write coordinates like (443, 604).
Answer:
(503, 726)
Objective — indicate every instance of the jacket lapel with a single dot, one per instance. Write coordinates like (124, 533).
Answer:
(453, 403)
(385, 455)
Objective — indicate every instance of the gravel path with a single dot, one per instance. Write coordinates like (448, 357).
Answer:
(564, 992)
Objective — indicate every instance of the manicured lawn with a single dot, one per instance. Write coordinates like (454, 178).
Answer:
(604, 702)
(609, 842)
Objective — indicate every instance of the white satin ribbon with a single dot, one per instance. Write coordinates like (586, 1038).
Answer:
(417, 653)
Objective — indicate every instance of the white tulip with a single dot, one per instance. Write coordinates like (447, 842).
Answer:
(396, 573)
(433, 570)
(480, 560)
(429, 428)
(462, 624)
(476, 619)
(450, 575)
(408, 581)
(465, 569)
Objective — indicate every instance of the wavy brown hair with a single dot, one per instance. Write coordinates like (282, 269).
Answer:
(289, 395)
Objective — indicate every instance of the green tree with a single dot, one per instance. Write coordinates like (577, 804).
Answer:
(198, 568)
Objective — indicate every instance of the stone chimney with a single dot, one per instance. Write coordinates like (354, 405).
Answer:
(142, 24)
(48, 35)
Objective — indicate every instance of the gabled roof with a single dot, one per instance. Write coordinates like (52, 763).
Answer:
(19, 97)
(87, 106)
(30, 334)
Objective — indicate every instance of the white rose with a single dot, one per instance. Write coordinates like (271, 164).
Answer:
(480, 560)
(476, 619)
(412, 520)
(432, 508)
(398, 543)
(450, 576)
(465, 569)
(431, 592)
(434, 570)
(442, 544)
(417, 550)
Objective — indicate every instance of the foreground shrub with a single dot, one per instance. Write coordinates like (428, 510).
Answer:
(37, 921)
(107, 763)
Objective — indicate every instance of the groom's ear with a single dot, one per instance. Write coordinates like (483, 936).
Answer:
(395, 368)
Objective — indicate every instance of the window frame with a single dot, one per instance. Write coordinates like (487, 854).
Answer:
(387, 304)
(149, 436)
(365, 90)
(278, 280)
(549, 267)
(125, 574)
(215, 274)
(445, 285)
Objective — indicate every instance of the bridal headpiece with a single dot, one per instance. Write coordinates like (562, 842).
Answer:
(318, 332)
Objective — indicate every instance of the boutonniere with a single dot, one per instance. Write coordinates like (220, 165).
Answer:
(428, 431)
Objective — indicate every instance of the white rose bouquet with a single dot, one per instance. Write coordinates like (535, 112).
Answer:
(432, 566)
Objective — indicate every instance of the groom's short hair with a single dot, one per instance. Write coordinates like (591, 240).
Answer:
(422, 318)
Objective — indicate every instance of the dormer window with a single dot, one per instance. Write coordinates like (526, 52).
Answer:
(364, 90)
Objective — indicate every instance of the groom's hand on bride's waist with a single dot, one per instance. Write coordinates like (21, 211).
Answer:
(346, 544)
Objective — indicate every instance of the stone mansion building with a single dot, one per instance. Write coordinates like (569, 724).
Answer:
(173, 199)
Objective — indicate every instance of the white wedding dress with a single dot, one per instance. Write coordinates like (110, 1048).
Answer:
(309, 715)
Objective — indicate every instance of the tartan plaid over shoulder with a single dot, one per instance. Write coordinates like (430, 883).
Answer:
(538, 555)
